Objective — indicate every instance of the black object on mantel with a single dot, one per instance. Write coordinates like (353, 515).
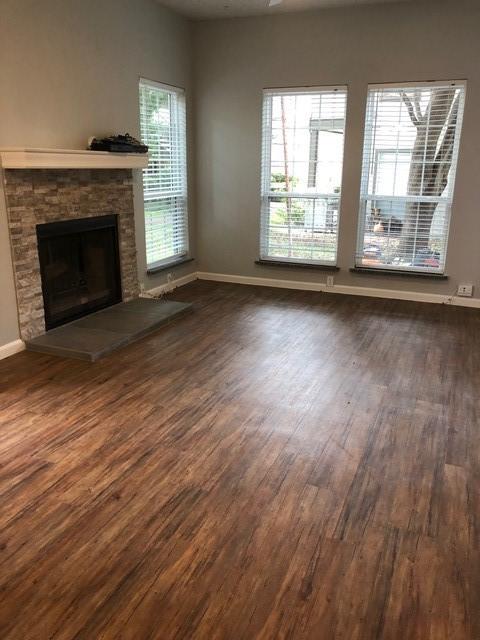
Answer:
(118, 144)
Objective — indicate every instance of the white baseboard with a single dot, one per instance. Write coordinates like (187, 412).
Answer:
(263, 282)
(170, 286)
(10, 348)
(372, 292)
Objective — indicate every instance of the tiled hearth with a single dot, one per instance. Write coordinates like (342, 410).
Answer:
(36, 196)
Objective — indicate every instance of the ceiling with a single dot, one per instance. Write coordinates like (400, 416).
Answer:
(206, 9)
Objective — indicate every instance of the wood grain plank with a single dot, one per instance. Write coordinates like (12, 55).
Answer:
(278, 465)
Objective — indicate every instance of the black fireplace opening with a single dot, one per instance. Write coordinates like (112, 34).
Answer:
(80, 267)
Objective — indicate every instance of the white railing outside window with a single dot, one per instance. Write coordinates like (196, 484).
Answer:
(302, 160)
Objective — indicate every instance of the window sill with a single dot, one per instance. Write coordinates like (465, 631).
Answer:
(405, 274)
(170, 265)
(297, 265)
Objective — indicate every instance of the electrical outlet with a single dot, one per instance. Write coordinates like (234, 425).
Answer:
(330, 281)
(465, 290)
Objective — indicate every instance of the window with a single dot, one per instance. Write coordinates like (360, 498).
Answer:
(412, 134)
(163, 129)
(302, 159)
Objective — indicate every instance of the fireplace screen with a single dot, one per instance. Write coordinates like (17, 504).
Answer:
(80, 267)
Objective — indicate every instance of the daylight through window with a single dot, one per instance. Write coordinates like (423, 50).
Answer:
(412, 135)
(162, 124)
(302, 159)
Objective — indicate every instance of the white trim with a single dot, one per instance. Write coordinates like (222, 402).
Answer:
(304, 90)
(266, 193)
(263, 282)
(459, 301)
(11, 348)
(154, 188)
(170, 286)
(370, 159)
(22, 158)
(421, 83)
(371, 292)
(169, 88)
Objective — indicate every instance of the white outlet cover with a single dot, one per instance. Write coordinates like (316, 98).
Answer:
(465, 290)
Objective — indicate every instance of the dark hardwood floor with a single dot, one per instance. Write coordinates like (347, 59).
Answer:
(277, 465)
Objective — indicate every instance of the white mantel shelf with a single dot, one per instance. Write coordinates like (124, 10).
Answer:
(17, 158)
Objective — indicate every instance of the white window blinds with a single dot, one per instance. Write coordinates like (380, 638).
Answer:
(412, 134)
(163, 129)
(302, 159)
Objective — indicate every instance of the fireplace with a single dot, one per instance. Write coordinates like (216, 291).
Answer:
(36, 198)
(79, 267)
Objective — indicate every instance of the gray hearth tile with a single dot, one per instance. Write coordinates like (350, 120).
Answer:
(100, 333)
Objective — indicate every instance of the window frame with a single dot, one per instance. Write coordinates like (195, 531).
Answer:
(365, 196)
(177, 124)
(265, 168)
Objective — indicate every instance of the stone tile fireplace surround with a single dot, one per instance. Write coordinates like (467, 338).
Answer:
(37, 196)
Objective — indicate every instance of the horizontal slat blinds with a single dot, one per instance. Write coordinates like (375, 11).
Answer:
(302, 159)
(412, 134)
(163, 129)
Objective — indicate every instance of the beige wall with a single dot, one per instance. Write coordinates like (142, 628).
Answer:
(235, 59)
(69, 69)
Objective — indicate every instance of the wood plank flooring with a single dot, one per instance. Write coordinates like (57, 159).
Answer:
(277, 465)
